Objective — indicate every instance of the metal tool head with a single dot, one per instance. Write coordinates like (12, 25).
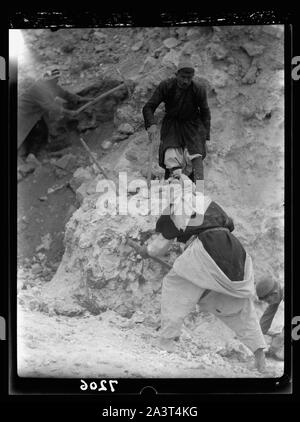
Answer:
(129, 88)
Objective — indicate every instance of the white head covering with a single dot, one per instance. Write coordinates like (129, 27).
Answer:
(51, 74)
(186, 201)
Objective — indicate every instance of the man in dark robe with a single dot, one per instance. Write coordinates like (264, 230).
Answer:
(186, 124)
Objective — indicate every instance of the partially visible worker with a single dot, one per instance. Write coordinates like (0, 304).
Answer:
(185, 127)
(271, 292)
(214, 271)
(45, 99)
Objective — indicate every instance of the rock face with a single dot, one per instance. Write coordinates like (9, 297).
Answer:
(242, 68)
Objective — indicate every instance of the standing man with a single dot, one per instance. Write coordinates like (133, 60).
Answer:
(214, 271)
(45, 99)
(186, 124)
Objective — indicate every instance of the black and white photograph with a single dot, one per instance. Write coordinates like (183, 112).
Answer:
(150, 201)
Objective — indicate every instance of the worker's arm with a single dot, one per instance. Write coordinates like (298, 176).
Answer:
(151, 105)
(56, 107)
(204, 108)
(69, 96)
(158, 246)
(268, 316)
(40, 96)
(45, 101)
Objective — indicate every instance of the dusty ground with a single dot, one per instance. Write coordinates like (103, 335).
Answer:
(111, 346)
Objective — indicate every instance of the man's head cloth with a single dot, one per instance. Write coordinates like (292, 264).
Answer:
(51, 74)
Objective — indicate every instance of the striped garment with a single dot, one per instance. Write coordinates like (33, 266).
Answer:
(51, 74)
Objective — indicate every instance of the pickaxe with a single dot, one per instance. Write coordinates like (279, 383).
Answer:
(100, 97)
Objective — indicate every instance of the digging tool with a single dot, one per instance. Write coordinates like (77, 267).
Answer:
(137, 247)
(124, 81)
(100, 97)
(93, 158)
(151, 149)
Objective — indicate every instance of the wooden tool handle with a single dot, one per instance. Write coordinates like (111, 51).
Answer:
(100, 97)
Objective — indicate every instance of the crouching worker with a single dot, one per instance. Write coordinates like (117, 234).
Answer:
(45, 102)
(213, 271)
(270, 291)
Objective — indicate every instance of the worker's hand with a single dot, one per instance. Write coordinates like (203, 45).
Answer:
(260, 360)
(152, 130)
